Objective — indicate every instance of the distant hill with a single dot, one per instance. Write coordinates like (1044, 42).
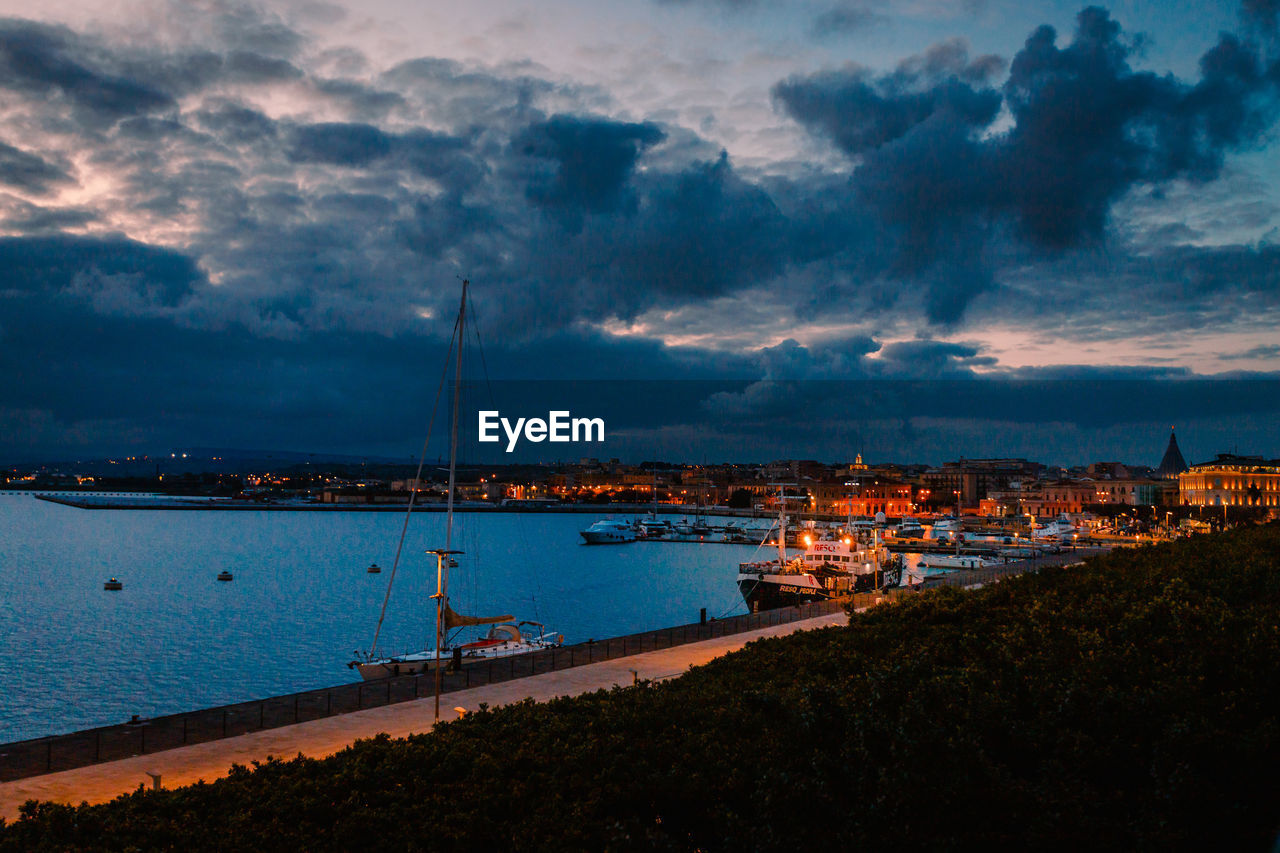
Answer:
(212, 460)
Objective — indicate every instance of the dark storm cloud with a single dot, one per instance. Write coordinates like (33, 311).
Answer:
(299, 254)
(593, 159)
(464, 97)
(32, 219)
(249, 28)
(861, 113)
(1165, 293)
(90, 338)
(365, 101)
(791, 360)
(50, 266)
(844, 19)
(243, 66)
(340, 144)
(36, 59)
(696, 234)
(1085, 129)
(725, 4)
(449, 159)
(928, 358)
(136, 377)
(841, 19)
(319, 260)
(933, 400)
(1264, 351)
(29, 172)
(233, 122)
(1261, 13)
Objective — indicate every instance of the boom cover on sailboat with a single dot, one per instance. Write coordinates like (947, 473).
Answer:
(453, 619)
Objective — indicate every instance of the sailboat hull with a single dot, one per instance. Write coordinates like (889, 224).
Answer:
(403, 665)
(486, 649)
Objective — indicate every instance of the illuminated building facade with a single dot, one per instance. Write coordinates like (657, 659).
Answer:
(1232, 480)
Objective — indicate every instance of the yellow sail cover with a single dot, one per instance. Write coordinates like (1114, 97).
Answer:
(453, 619)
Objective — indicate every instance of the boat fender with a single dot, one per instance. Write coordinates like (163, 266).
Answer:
(560, 640)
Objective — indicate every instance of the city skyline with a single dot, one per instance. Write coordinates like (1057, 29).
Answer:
(234, 224)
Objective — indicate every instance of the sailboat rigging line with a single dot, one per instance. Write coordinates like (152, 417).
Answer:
(475, 329)
(413, 492)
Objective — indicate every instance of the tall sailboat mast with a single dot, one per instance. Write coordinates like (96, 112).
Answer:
(442, 566)
(782, 525)
(502, 641)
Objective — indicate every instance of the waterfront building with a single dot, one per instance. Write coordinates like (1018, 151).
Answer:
(838, 497)
(1133, 491)
(1231, 480)
(972, 479)
(1055, 498)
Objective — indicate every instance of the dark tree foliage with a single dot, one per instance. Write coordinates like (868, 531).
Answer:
(1129, 704)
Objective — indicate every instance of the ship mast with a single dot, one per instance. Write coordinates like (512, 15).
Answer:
(782, 524)
(443, 557)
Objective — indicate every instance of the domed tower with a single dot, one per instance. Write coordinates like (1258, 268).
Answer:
(1172, 464)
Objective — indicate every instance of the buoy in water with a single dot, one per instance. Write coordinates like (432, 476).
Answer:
(374, 569)
(113, 584)
(224, 575)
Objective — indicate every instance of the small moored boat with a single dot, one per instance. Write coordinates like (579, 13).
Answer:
(224, 575)
(113, 584)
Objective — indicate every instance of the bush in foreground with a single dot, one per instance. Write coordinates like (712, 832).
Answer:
(1129, 704)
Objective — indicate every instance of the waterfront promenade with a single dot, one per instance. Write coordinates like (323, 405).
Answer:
(317, 738)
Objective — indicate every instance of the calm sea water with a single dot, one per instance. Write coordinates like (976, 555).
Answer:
(175, 639)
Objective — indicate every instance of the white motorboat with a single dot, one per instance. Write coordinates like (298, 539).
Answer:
(1060, 529)
(609, 531)
(945, 527)
(653, 528)
(909, 528)
(957, 561)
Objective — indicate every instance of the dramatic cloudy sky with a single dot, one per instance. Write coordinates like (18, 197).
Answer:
(242, 225)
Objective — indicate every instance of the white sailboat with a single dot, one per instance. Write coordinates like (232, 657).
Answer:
(504, 638)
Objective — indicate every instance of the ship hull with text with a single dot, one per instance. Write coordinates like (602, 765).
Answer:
(828, 568)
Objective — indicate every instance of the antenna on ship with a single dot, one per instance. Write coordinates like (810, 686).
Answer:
(782, 521)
